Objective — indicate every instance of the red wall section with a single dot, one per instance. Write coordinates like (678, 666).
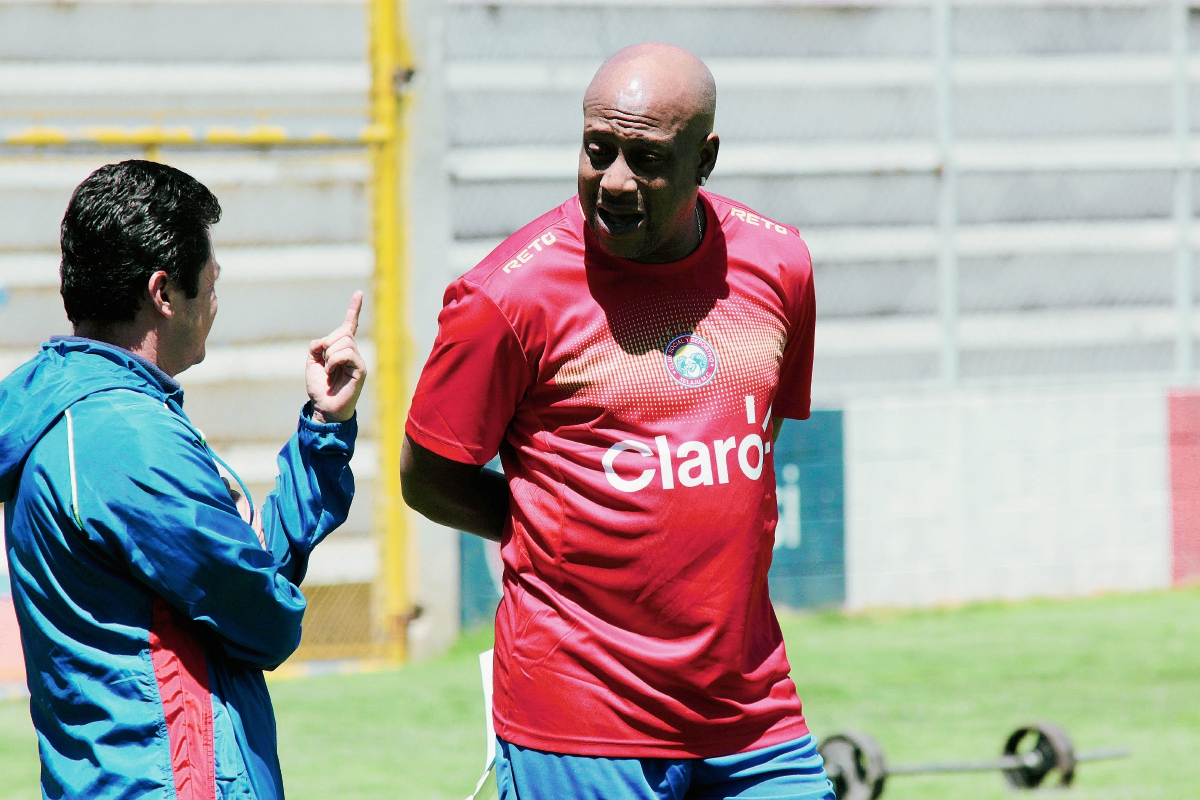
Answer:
(1183, 412)
(12, 664)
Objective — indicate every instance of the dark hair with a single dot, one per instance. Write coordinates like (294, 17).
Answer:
(124, 223)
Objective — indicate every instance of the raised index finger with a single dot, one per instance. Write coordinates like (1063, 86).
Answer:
(352, 312)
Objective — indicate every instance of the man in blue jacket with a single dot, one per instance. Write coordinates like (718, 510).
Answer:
(149, 605)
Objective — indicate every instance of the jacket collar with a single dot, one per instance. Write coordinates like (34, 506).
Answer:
(145, 368)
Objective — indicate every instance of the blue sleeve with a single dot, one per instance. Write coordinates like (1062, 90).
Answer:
(312, 493)
(148, 493)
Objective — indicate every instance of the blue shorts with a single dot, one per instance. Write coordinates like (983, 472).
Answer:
(791, 770)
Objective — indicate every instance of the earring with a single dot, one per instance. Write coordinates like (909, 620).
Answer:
(703, 180)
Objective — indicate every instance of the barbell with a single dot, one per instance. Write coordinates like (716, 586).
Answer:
(858, 770)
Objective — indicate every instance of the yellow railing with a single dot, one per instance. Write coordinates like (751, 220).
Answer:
(391, 68)
(386, 139)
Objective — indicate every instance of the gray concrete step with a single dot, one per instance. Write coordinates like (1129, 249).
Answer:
(868, 289)
(1002, 112)
(495, 209)
(249, 312)
(1062, 281)
(203, 31)
(483, 30)
(300, 97)
(1048, 28)
(998, 284)
(268, 197)
(1124, 194)
(480, 118)
(221, 409)
(567, 29)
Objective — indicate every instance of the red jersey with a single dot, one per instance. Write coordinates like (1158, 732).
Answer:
(630, 405)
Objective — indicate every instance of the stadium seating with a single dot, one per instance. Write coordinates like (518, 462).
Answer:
(990, 203)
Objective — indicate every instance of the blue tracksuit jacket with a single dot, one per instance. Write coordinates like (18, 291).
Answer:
(147, 607)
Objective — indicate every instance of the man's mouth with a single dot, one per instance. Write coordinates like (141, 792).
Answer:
(619, 223)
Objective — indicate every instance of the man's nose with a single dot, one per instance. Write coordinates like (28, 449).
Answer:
(618, 178)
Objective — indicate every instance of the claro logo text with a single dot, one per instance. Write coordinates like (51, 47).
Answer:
(631, 465)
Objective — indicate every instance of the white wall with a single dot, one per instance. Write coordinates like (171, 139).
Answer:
(1005, 494)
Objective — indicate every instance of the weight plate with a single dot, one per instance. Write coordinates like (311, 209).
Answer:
(855, 765)
(1045, 748)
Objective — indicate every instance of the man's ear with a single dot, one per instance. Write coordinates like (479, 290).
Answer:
(159, 295)
(708, 157)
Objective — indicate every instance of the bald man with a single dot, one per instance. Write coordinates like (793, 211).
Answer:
(630, 355)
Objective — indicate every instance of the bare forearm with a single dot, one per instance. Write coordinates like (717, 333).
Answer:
(460, 496)
(480, 508)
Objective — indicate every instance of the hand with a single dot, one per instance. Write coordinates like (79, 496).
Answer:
(245, 511)
(336, 370)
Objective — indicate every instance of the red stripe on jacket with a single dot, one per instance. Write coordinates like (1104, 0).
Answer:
(181, 668)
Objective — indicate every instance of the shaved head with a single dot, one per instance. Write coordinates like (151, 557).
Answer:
(648, 145)
(658, 78)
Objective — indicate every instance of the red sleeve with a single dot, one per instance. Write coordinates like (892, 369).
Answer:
(793, 398)
(472, 382)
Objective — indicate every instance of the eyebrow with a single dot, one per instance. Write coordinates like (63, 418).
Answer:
(636, 136)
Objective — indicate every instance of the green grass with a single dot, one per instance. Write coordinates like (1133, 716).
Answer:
(414, 733)
(1115, 670)
(18, 753)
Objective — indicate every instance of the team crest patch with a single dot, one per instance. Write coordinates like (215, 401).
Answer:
(690, 361)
